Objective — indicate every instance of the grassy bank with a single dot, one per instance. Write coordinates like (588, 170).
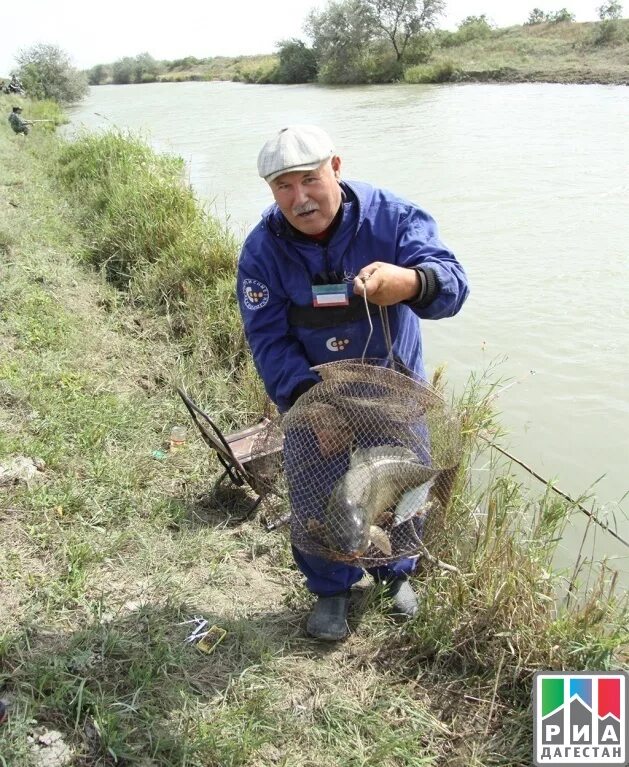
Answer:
(591, 52)
(116, 287)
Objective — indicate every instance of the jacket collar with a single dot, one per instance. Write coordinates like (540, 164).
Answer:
(354, 194)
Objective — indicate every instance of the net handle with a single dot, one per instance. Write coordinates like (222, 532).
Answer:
(386, 328)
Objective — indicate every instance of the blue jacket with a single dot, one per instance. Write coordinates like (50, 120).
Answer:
(277, 268)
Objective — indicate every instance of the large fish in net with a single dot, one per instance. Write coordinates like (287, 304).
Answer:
(369, 453)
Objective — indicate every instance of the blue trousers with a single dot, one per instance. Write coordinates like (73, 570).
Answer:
(326, 578)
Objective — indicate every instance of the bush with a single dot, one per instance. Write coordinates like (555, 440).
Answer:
(610, 10)
(136, 69)
(606, 33)
(98, 75)
(536, 16)
(298, 63)
(441, 72)
(259, 70)
(419, 49)
(474, 28)
(561, 16)
(47, 73)
(153, 240)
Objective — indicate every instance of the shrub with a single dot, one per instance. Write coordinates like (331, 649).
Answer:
(606, 33)
(154, 240)
(441, 72)
(298, 63)
(610, 10)
(136, 69)
(561, 16)
(47, 73)
(537, 16)
(258, 70)
(99, 74)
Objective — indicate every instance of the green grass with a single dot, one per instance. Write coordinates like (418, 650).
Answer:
(581, 53)
(114, 548)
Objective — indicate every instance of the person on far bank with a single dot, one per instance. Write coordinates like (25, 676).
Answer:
(18, 123)
(327, 235)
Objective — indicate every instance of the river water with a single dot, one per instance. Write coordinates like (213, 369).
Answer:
(530, 187)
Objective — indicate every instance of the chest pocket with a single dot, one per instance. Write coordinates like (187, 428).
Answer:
(316, 319)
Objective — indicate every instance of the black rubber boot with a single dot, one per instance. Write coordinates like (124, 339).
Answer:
(328, 620)
(404, 598)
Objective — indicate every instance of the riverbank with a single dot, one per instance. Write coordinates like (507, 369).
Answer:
(568, 52)
(108, 305)
(552, 53)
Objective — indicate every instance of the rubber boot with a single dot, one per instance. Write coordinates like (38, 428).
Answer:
(404, 598)
(328, 619)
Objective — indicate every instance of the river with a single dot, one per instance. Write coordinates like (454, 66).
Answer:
(530, 187)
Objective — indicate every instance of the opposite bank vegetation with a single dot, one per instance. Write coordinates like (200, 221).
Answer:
(117, 286)
(344, 53)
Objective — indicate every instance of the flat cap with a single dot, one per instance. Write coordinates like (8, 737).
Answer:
(297, 147)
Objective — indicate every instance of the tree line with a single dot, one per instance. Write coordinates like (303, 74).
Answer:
(365, 41)
(352, 41)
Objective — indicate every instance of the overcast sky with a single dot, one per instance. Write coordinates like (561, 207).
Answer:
(94, 33)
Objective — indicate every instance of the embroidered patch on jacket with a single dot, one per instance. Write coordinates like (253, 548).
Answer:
(256, 294)
(337, 344)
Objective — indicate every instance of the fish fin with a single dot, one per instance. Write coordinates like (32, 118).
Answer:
(385, 518)
(380, 539)
(361, 455)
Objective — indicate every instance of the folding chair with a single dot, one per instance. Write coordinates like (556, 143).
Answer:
(251, 456)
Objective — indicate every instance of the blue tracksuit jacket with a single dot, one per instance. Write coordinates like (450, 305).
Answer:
(277, 269)
(276, 272)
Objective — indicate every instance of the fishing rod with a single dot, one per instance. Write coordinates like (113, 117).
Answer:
(488, 438)
(553, 487)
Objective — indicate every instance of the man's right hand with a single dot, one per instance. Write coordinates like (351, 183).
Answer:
(331, 429)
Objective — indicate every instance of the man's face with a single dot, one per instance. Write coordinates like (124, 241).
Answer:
(309, 199)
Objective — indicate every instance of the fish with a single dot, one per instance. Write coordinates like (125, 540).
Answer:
(413, 502)
(378, 481)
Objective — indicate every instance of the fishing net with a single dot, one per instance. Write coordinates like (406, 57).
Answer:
(369, 453)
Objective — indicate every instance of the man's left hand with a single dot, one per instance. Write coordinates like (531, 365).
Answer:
(386, 284)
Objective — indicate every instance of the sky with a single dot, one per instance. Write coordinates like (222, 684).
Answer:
(93, 33)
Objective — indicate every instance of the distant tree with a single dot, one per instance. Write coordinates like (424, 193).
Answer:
(368, 40)
(401, 20)
(186, 63)
(537, 16)
(341, 34)
(610, 11)
(470, 21)
(47, 73)
(98, 75)
(298, 63)
(123, 71)
(473, 27)
(142, 68)
(146, 68)
(561, 16)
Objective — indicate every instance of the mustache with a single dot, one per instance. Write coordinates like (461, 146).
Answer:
(307, 207)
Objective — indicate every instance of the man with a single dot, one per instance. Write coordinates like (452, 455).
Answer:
(15, 86)
(18, 123)
(324, 236)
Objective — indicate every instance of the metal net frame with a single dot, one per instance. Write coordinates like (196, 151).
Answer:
(369, 453)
